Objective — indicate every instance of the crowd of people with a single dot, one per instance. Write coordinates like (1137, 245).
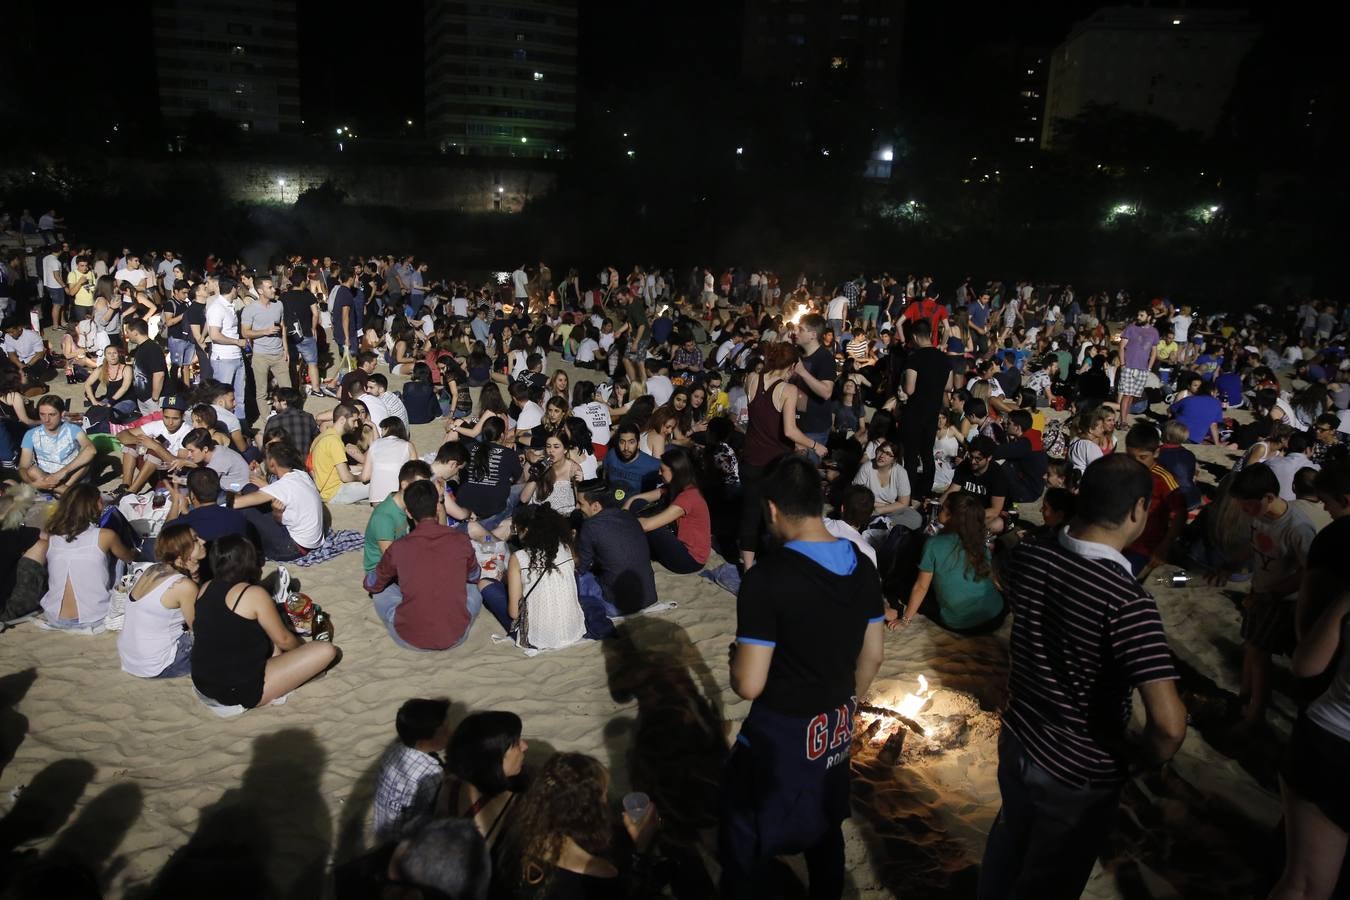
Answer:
(856, 454)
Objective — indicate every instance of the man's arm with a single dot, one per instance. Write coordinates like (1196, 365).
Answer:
(86, 455)
(156, 386)
(218, 337)
(750, 668)
(822, 389)
(869, 657)
(995, 509)
(1165, 720)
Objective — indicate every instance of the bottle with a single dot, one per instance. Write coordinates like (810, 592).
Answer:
(323, 627)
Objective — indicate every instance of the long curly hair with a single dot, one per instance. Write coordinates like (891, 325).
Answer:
(542, 530)
(566, 800)
(965, 519)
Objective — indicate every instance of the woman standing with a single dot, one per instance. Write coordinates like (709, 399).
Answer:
(242, 654)
(679, 535)
(80, 561)
(957, 566)
(771, 433)
(156, 638)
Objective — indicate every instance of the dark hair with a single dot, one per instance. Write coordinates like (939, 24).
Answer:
(627, 426)
(204, 484)
(421, 372)
(418, 719)
(1298, 442)
(681, 471)
(583, 392)
(444, 857)
(200, 438)
(1333, 480)
(983, 444)
(1110, 488)
(1061, 499)
(138, 326)
(792, 485)
(285, 456)
(1143, 436)
(482, 454)
(481, 740)
(965, 514)
(378, 378)
(77, 510)
(53, 401)
(1254, 482)
(921, 327)
(453, 451)
(542, 530)
(290, 396)
(977, 408)
(393, 427)
(595, 490)
(1305, 482)
(857, 504)
(1019, 417)
(421, 500)
(234, 560)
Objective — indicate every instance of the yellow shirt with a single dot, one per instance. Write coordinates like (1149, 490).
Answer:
(84, 296)
(719, 404)
(325, 456)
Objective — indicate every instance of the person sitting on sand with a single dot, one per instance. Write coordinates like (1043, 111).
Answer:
(80, 561)
(442, 858)
(156, 636)
(202, 449)
(612, 549)
(957, 566)
(23, 557)
(284, 506)
(561, 843)
(539, 600)
(679, 535)
(484, 766)
(425, 587)
(337, 480)
(200, 509)
(242, 653)
(57, 453)
(411, 772)
(389, 520)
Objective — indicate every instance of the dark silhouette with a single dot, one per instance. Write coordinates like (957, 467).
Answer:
(13, 724)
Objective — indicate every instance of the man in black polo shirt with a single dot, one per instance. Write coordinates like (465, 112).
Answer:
(809, 641)
(1085, 635)
(814, 374)
(981, 476)
(925, 380)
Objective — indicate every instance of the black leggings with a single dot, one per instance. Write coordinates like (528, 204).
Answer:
(667, 549)
(917, 444)
(752, 510)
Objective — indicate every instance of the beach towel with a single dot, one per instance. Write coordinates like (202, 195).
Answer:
(334, 545)
(725, 576)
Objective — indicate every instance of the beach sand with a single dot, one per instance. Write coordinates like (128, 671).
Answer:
(130, 776)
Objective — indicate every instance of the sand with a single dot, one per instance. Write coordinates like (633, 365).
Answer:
(127, 775)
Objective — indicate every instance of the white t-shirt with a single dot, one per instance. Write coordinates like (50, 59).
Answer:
(586, 350)
(660, 387)
(841, 529)
(838, 308)
(1181, 328)
(460, 306)
(384, 459)
(870, 477)
(51, 271)
(136, 277)
(172, 440)
(596, 416)
(220, 314)
(606, 341)
(519, 280)
(303, 517)
(375, 407)
(228, 420)
(531, 414)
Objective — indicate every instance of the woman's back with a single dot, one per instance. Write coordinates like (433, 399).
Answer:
(966, 599)
(149, 637)
(384, 458)
(552, 613)
(419, 398)
(765, 439)
(229, 651)
(80, 563)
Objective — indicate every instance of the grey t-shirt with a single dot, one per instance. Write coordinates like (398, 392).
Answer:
(258, 318)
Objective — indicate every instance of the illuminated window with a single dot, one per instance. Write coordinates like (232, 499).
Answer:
(838, 62)
(538, 76)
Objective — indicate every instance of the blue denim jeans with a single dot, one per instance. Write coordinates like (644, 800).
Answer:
(182, 658)
(387, 602)
(231, 372)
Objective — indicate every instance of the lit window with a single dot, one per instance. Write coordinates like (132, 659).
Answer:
(236, 50)
(538, 76)
(1176, 21)
(838, 62)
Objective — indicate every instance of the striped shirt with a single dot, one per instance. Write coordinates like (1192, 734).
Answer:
(1085, 634)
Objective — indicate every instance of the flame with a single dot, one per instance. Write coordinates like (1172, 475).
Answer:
(797, 316)
(910, 704)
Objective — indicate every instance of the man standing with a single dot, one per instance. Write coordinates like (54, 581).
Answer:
(979, 323)
(346, 314)
(165, 271)
(182, 351)
(260, 323)
(639, 338)
(54, 285)
(809, 641)
(925, 379)
(837, 313)
(148, 369)
(1138, 351)
(520, 286)
(80, 288)
(300, 310)
(424, 588)
(227, 347)
(1085, 634)
(814, 374)
(871, 299)
(195, 321)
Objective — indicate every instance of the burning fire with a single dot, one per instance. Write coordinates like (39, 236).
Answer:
(905, 714)
(797, 316)
(910, 704)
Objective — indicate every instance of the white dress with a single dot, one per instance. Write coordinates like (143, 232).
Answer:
(148, 641)
(563, 497)
(551, 616)
(384, 458)
(84, 564)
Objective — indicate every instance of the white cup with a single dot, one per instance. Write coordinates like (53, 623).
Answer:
(636, 805)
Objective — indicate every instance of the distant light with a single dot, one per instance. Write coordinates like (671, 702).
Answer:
(824, 152)
(1176, 21)
(740, 151)
(625, 134)
(500, 189)
(538, 76)
(1124, 209)
(34, 174)
(281, 182)
(339, 131)
(887, 155)
(410, 121)
(630, 154)
(1214, 209)
(522, 140)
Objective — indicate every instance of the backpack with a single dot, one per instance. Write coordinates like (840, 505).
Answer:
(1055, 439)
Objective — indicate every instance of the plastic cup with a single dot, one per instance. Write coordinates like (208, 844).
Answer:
(636, 805)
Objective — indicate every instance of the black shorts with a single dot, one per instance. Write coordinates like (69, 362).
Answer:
(1269, 625)
(1317, 767)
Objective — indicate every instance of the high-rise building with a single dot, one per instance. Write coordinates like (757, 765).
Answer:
(1177, 64)
(841, 47)
(501, 78)
(234, 58)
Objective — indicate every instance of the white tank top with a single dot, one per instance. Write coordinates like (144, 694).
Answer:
(553, 616)
(86, 567)
(149, 637)
(385, 457)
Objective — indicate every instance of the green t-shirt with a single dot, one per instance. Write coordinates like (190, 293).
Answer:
(387, 523)
(637, 315)
(965, 601)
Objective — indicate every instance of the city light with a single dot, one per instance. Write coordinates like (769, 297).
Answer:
(410, 121)
(824, 152)
(1176, 21)
(630, 154)
(887, 154)
(522, 140)
(1124, 209)
(740, 151)
(281, 182)
(339, 131)
(500, 189)
(538, 76)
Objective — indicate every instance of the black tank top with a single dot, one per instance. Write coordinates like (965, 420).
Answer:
(765, 439)
(229, 652)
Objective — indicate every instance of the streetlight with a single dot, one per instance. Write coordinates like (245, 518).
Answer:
(887, 154)
(281, 182)
(740, 151)
(522, 140)
(500, 189)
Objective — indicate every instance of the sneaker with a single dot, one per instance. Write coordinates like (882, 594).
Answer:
(326, 391)
(283, 584)
(313, 392)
